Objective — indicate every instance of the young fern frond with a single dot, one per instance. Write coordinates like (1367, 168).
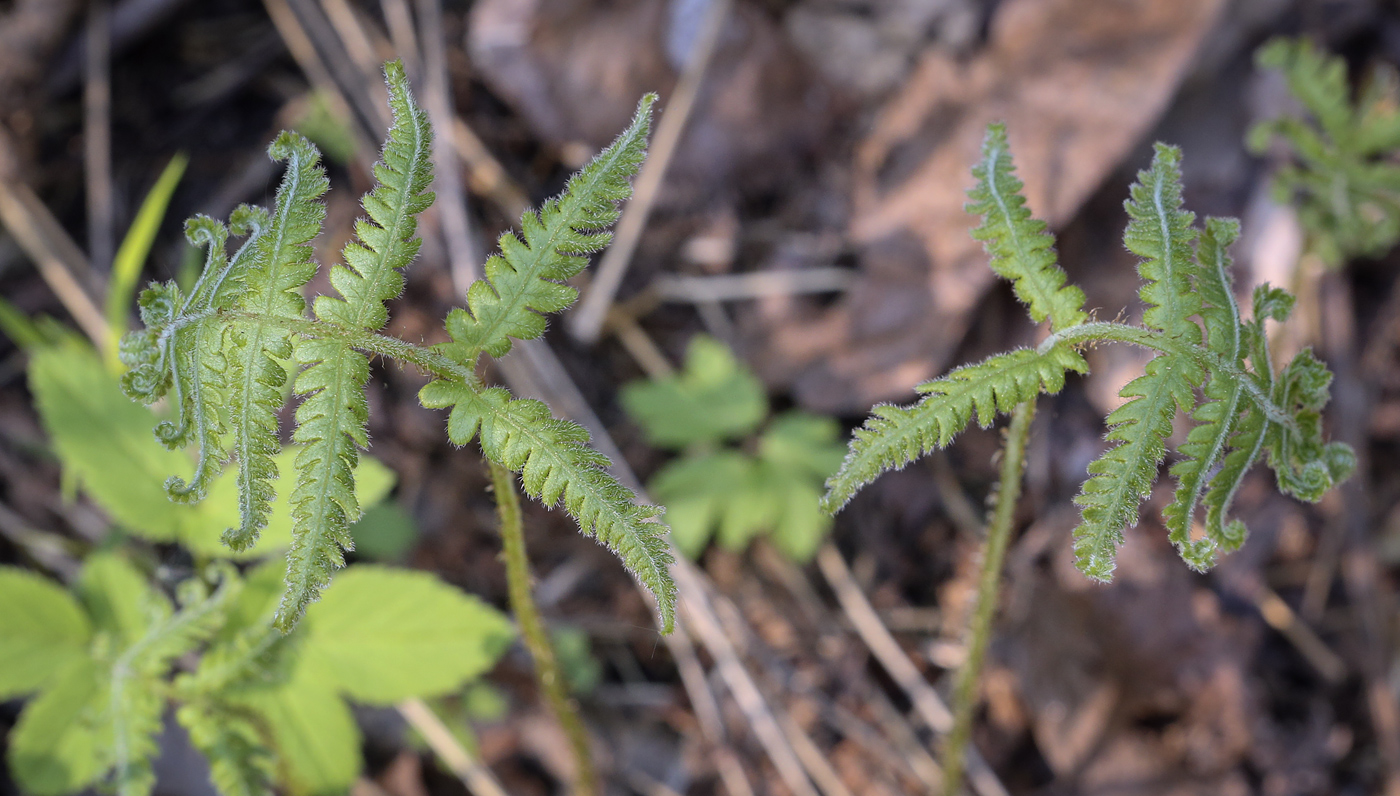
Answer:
(222, 345)
(332, 418)
(552, 455)
(1021, 250)
(1160, 232)
(196, 379)
(1245, 413)
(524, 281)
(1208, 443)
(895, 436)
(279, 265)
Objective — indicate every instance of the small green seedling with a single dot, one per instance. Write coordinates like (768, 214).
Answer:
(771, 485)
(1209, 361)
(216, 354)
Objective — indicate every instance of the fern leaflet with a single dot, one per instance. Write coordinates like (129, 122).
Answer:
(556, 465)
(1160, 232)
(524, 280)
(1021, 249)
(332, 417)
(895, 436)
(279, 266)
(1207, 443)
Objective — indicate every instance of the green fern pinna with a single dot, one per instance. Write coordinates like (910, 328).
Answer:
(1210, 361)
(217, 353)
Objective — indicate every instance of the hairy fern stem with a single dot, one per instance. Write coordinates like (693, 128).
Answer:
(532, 629)
(1109, 331)
(1013, 461)
(425, 359)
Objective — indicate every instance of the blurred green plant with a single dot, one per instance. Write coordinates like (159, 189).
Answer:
(325, 127)
(266, 709)
(769, 484)
(1344, 174)
(107, 659)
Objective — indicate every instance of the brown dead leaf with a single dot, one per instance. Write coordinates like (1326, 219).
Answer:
(576, 68)
(1078, 82)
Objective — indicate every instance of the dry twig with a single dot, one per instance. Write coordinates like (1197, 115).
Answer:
(586, 322)
(877, 637)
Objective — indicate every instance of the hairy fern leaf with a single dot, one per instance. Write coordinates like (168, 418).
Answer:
(1208, 443)
(1245, 447)
(557, 467)
(525, 280)
(522, 283)
(198, 371)
(1021, 250)
(387, 242)
(278, 265)
(1252, 426)
(332, 417)
(1160, 232)
(894, 436)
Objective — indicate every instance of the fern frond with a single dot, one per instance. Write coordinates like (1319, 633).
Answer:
(895, 436)
(137, 696)
(1245, 448)
(371, 274)
(526, 279)
(1160, 232)
(1252, 426)
(1208, 443)
(332, 418)
(198, 370)
(330, 424)
(1022, 251)
(557, 467)
(1345, 182)
(277, 266)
